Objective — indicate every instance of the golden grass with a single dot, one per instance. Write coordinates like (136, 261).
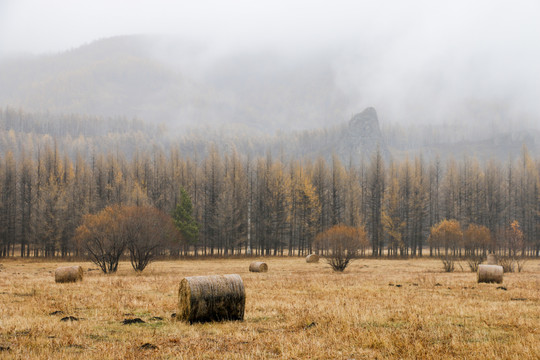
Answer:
(385, 309)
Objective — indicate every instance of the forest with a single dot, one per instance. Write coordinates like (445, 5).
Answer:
(53, 174)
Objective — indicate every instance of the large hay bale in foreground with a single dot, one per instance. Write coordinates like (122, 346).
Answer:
(312, 258)
(490, 274)
(492, 259)
(68, 274)
(211, 298)
(258, 266)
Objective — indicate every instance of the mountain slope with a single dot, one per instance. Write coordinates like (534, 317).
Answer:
(140, 76)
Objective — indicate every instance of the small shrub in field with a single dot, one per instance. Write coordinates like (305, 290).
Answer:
(474, 261)
(342, 244)
(449, 264)
(143, 230)
(520, 264)
(507, 263)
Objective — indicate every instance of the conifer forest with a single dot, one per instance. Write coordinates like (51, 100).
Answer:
(252, 201)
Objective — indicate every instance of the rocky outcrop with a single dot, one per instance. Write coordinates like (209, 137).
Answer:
(364, 136)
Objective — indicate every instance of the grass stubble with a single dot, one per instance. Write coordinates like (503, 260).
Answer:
(376, 309)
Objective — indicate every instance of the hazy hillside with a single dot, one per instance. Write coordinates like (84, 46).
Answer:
(250, 100)
(113, 77)
(354, 140)
(167, 81)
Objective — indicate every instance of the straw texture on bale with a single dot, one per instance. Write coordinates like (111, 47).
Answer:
(211, 298)
(492, 259)
(490, 274)
(68, 274)
(258, 266)
(312, 258)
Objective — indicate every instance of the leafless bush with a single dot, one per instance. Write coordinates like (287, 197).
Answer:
(147, 230)
(520, 264)
(508, 263)
(473, 262)
(449, 263)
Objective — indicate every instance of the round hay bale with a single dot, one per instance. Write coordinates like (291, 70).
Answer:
(258, 266)
(312, 258)
(211, 298)
(490, 274)
(68, 274)
(492, 259)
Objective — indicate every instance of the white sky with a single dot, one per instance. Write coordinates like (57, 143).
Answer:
(394, 47)
(54, 25)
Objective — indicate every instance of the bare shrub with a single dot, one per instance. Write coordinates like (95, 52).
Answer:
(520, 264)
(507, 263)
(449, 263)
(473, 262)
(147, 230)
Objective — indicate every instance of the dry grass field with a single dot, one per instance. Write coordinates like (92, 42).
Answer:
(377, 309)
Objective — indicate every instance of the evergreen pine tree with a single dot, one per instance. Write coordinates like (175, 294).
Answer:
(183, 218)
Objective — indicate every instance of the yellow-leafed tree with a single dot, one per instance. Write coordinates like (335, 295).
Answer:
(341, 244)
(446, 234)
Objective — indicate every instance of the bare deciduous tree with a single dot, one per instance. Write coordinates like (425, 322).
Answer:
(103, 237)
(147, 230)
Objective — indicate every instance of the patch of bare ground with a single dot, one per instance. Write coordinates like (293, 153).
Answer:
(383, 309)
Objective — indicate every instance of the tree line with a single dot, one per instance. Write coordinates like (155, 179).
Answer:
(268, 205)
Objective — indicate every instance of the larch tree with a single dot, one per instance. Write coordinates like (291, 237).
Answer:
(494, 198)
(393, 224)
(337, 191)
(433, 201)
(27, 208)
(353, 210)
(375, 198)
(306, 211)
(279, 197)
(514, 238)
(212, 187)
(8, 203)
(406, 203)
(320, 180)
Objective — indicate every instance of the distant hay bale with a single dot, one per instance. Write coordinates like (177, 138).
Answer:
(492, 259)
(312, 258)
(490, 274)
(258, 266)
(211, 298)
(68, 274)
